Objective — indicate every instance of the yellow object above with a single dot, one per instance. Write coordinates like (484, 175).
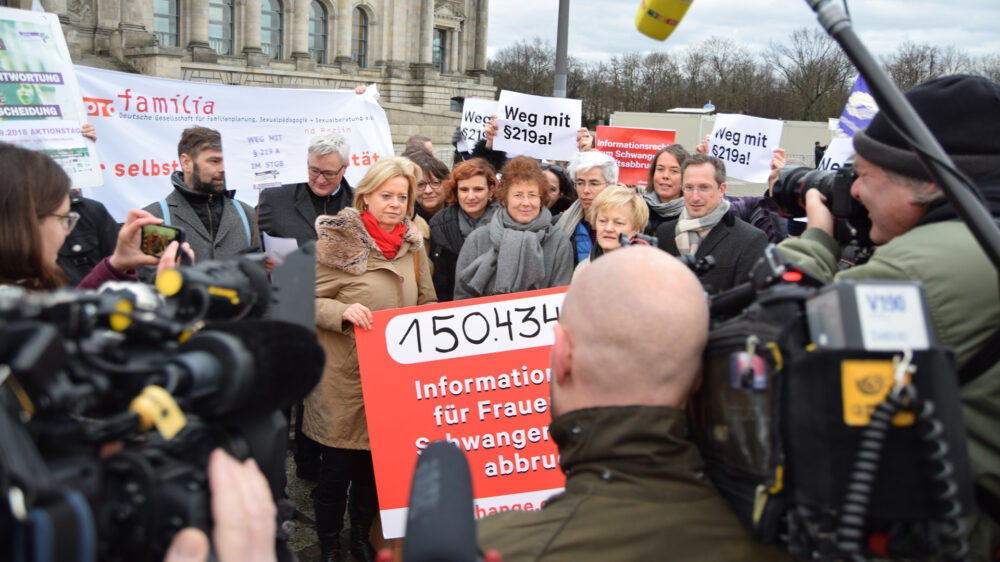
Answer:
(659, 18)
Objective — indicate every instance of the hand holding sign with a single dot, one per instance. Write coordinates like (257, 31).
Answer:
(745, 144)
(537, 126)
(476, 114)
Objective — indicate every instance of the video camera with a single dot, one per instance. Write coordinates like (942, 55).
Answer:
(111, 402)
(823, 435)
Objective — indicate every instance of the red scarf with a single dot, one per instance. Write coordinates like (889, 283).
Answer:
(388, 242)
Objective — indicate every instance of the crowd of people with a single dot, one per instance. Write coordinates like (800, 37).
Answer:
(414, 232)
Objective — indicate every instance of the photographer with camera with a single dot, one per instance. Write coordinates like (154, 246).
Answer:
(636, 487)
(920, 238)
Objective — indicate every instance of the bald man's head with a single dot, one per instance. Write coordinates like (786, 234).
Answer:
(632, 331)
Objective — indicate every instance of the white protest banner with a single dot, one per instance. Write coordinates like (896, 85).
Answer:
(262, 160)
(40, 106)
(746, 145)
(139, 120)
(474, 373)
(838, 152)
(537, 126)
(476, 114)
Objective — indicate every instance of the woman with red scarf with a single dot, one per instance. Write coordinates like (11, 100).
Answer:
(368, 257)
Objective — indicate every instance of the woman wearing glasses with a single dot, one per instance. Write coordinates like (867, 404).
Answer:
(471, 188)
(35, 219)
(519, 250)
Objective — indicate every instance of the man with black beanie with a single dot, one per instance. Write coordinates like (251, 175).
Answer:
(920, 238)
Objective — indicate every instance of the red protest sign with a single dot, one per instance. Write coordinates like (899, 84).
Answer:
(632, 149)
(475, 373)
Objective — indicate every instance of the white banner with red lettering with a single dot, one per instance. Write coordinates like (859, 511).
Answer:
(139, 120)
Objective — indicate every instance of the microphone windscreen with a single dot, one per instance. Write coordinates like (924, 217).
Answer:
(440, 523)
(287, 363)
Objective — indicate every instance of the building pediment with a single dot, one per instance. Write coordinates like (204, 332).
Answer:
(449, 10)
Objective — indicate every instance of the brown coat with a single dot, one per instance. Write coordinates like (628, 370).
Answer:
(351, 269)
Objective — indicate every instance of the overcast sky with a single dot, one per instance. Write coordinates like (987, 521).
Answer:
(601, 28)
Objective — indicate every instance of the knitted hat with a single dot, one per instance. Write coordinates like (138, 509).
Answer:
(961, 111)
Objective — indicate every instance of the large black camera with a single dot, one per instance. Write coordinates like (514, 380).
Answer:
(851, 222)
(111, 402)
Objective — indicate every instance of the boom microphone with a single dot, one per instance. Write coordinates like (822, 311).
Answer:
(440, 523)
(246, 367)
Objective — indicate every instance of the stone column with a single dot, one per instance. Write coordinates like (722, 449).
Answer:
(482, 16)
(251, 34)
(454, 49)
(427, 32)
(198, 32)
(300, 28)
(342, 39)
(300, 36)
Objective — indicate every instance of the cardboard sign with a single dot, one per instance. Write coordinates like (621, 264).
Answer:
(475, 115)
(475, 373)
(746, 145)
(632, 149)
(537, 126)
(265, 159)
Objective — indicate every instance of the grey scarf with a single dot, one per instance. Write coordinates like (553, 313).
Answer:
(667, 210)
(467, 224)
(514, 260)
(570, 218)
(690, 232)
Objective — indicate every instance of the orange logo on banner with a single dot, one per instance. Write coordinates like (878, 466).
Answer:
(632, 149)
(475, 373)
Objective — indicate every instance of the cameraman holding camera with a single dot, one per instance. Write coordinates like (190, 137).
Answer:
(920, 238)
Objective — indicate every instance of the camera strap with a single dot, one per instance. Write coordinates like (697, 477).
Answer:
(987, 356)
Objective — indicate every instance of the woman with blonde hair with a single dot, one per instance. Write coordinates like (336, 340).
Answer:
(616, 211)
(369, 257)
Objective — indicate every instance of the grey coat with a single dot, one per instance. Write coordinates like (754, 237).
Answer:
(288, 211)
(230, 240)
(735, 245)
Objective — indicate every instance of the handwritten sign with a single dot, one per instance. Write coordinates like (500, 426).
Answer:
(632, 149)
(475, 373)
(746, 145)
(261, 159)
(537, 126)
(475, 115)
(838, 152)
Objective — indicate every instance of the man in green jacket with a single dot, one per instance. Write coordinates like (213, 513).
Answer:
(626, 355)
(921, 238)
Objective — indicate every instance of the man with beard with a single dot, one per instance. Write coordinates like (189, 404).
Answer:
(216, 225)
(636, 488)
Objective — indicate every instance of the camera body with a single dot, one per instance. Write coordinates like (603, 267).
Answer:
(851, 223)
(111, 403)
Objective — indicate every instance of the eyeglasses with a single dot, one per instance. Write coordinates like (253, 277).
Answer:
(594, 184)
(329, 175)
(67, 221)
(702, 189)
(433, 183)
(523, 196)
